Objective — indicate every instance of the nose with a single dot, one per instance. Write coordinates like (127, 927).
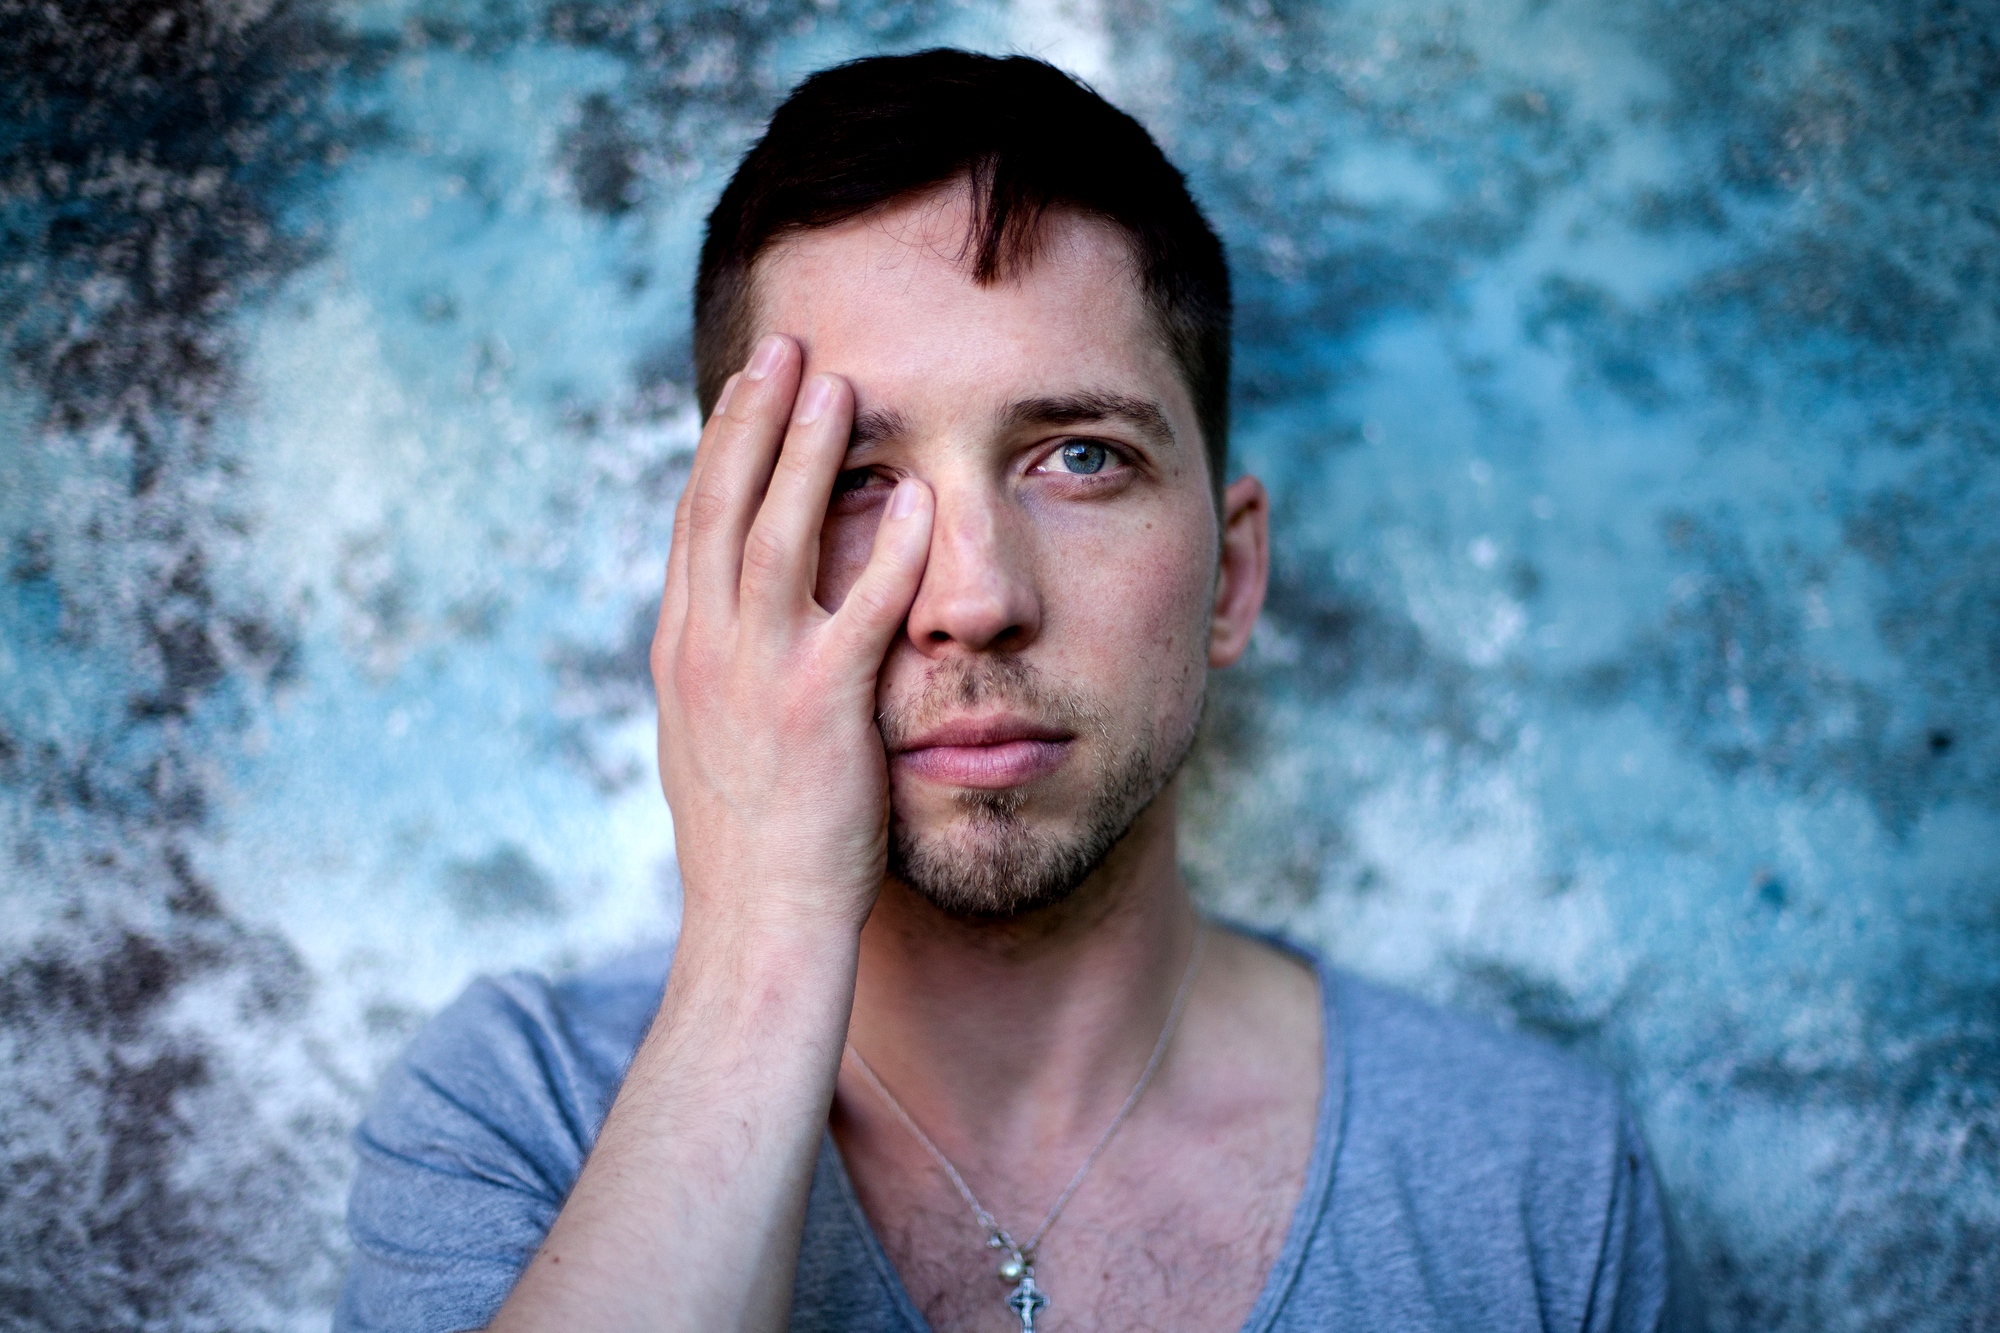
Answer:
(978, 594)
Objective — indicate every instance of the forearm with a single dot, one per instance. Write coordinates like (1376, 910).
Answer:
(688, 1213)
(689, 1210)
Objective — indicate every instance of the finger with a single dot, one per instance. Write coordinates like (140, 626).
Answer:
(878, 603)
(730, 484)
(674, 598)
(781, 553)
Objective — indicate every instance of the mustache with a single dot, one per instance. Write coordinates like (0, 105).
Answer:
(956, 685)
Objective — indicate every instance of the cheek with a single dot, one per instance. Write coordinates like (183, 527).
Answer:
(844, 544)
(1142, 621)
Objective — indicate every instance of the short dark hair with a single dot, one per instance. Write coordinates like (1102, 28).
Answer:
(1028, 138)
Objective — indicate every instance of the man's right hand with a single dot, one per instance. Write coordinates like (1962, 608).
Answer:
(688, 1212)
(769, 753)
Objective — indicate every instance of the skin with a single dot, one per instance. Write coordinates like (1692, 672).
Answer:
(871, 512)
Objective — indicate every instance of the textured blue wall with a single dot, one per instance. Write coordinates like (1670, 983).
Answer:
(1625, 373)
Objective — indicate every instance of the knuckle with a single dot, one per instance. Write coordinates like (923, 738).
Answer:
(798, 464)
(874, 599)
(694, 687)
(765, 554)
(695, 672)
(706, 508)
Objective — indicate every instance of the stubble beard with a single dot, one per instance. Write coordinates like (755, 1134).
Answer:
(991, 863)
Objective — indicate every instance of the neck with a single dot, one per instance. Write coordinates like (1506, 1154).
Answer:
(1003, 1037)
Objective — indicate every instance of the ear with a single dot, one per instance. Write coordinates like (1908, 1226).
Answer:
(1244, 570)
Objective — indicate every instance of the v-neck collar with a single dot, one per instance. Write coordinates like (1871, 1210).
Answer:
(1306, 1213)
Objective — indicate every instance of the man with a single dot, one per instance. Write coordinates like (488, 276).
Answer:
(944, 1041)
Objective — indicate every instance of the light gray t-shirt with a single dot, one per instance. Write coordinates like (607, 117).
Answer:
(1461, 1178)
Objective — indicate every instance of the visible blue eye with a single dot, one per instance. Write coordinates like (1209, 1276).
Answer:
(1084, 456)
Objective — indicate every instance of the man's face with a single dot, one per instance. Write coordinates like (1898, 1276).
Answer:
(1051, 675)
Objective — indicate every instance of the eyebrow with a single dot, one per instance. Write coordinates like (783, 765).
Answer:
(876, 425)
(1077, 409)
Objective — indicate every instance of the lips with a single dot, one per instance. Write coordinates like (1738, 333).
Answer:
(990, 753)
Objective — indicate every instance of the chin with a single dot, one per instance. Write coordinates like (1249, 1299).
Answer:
(990, 863)
(993, 859)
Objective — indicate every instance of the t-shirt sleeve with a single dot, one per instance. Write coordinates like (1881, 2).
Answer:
(464, 1161)
(1634, 1289)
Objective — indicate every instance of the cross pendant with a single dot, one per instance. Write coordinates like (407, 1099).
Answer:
(1027, 1301)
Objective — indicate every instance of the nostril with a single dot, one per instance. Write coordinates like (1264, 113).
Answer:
(939, 636)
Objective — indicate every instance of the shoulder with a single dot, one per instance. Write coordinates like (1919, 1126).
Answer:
(601, 1012)
(1467, 1116)
(1488, 1168)
(1461, 1073)
(476, 1136)
(523, 1054)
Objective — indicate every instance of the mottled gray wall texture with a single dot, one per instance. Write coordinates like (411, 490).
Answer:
(1624, 370)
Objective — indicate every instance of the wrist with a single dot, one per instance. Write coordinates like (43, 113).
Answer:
(756, 940)
(736, 987)
(780, 911)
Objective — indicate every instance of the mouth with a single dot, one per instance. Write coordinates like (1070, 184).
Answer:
(990, 753)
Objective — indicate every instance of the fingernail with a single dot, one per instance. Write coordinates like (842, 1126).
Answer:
(769, 352)
(819, 393)
(722, 399)
(903, 500)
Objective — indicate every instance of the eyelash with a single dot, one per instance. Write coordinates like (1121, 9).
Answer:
(852, 481)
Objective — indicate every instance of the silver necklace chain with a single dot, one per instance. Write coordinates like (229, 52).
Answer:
(1027, 1299)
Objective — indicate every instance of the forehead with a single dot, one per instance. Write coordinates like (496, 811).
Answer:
(889, 301)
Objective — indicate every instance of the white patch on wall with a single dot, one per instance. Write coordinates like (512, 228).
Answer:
(1069, 34)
